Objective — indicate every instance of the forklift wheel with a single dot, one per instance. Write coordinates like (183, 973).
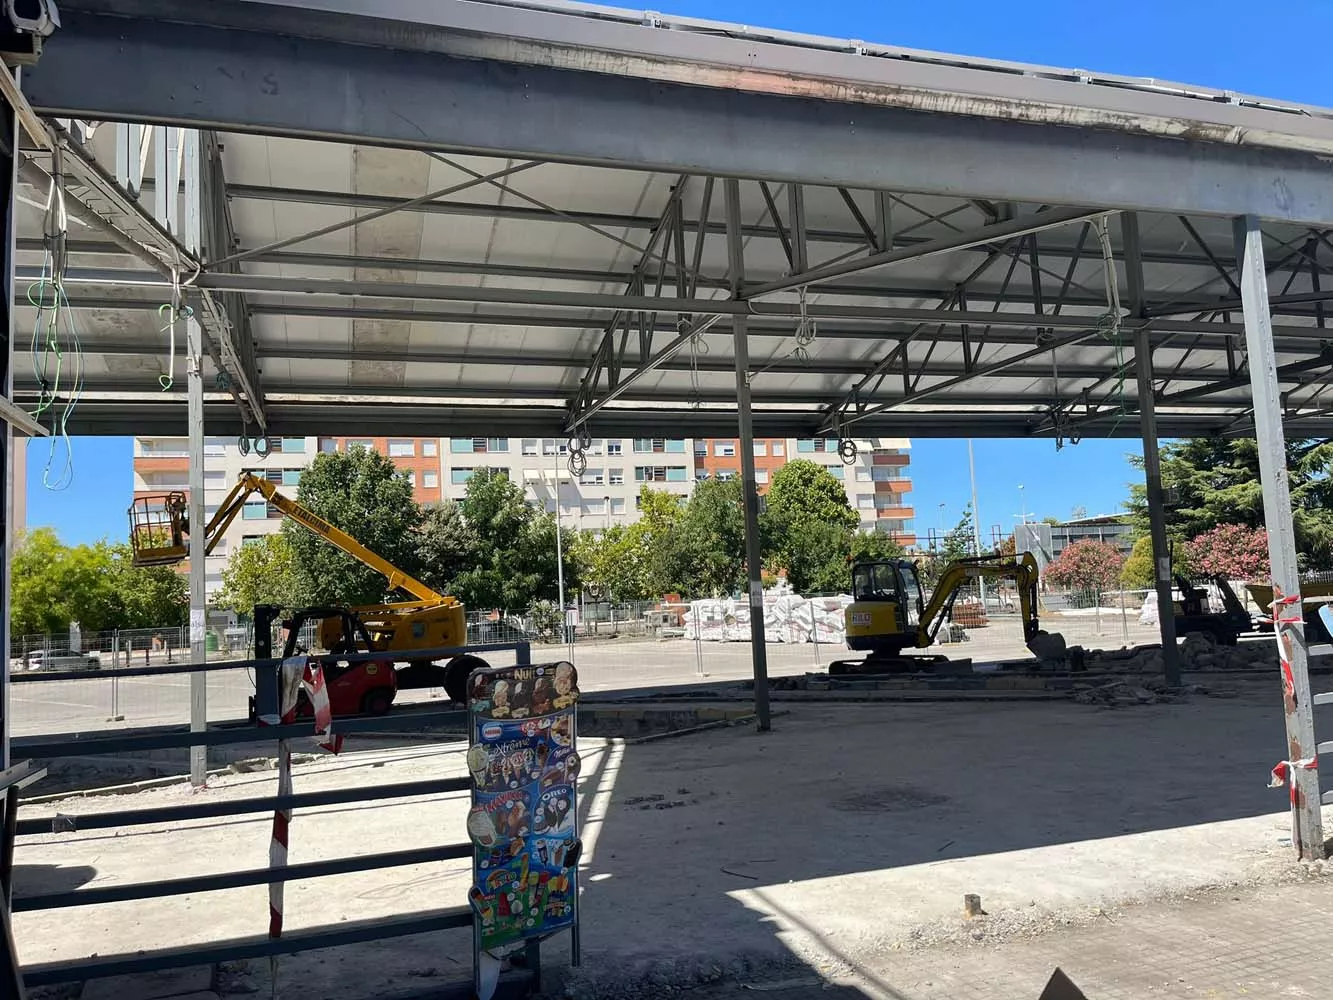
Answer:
(460, 668)
(377, 702)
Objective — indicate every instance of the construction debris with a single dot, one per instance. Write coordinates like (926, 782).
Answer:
(788, 618)
(1118, 693)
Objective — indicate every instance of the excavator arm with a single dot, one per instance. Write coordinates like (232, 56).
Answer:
(1022, 569)
(159, 532)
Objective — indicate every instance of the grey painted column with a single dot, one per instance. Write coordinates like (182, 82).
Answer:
(194, 360)
(9, 454)
(1152, 463)
(1307, 832)
(749, 487)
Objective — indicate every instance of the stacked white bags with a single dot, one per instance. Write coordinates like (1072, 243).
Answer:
(788, 618)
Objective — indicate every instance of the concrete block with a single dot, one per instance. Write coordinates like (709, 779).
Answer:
(194, 983)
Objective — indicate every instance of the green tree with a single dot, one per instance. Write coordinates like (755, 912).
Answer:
(613, 562)
(259, 572)
(655, 538)
(808, 526)
(96, 585)
(712, 534)
(1137, 573)
(447, 546)
(514, 562)
(872, 546)
(362, 493)
(1214, 481)
(150, 596)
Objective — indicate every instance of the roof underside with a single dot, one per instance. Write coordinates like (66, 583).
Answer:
(518, 299)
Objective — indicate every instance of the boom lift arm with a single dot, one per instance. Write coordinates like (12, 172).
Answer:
(160, 528)
(1022, 569)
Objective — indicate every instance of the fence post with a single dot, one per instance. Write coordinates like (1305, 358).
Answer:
(814, 630)
(1124, 616)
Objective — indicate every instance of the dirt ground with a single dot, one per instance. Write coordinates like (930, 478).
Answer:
(849, 833)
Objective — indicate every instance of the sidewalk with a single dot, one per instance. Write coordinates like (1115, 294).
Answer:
(1254, 943)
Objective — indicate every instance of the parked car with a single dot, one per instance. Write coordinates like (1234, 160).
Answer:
(62, 659)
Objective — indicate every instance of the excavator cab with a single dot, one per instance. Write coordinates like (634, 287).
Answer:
(886, 606)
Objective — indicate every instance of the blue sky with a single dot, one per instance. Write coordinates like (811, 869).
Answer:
(1220, 43)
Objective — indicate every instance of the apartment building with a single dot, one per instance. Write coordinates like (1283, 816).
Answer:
(878, 482)
(161, 465)
(606, 493)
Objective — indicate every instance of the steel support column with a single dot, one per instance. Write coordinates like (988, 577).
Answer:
(1307, 832)
(194, 360)
(749, 486)
(9, 454)
(1152, 463)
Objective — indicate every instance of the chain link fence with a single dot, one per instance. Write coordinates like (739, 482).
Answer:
(630, 647)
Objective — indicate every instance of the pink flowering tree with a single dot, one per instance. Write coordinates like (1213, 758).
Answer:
(1231, 550)
(1088, 566)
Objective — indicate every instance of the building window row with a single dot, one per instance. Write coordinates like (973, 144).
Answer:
(660, 474)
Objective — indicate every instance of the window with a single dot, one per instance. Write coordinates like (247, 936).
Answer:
(550, 447)
(674, 446)
(214, 478)
(430, 479)
(595, 448)
(779, 448)
(549, 505)
(592, 477)
(254, 511)
(252, 540)
(293, 446)
(213, 448)
(676, 474)
(615, 477)
(328, 446)
(430, 447)
(458, 477)
(701, 449)
(529, 446)
(885, 473)
(291, 477)
(865, 501)
(412, 478)
(614, 448)
(805, 446)
(365, 443)
(761, 475)
(461, 446)
(497, 471)
(760, 449)
(835, 471)
(725, 449)
(618, 505)
(594, 507)
(491, 444)
(863, 475)
(402, 448)
(650, 474)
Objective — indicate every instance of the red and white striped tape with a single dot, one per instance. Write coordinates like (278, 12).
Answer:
(297, 674)
(1284, 774)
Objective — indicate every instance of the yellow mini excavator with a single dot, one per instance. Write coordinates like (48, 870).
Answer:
(159, 535)
(888, 613)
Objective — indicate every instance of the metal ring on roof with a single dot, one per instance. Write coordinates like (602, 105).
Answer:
(578, 462)
(243, 445)
(575, 443)
(847, 450)
(262, 447)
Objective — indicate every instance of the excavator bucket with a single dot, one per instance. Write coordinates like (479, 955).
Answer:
(158, 526)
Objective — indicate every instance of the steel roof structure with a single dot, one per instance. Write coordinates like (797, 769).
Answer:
(543, 237)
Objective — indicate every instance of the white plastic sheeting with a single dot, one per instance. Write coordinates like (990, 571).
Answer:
(788, 617)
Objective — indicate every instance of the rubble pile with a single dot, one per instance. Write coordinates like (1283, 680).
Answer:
(788, 618)
(1118, 694)
(1197, 652)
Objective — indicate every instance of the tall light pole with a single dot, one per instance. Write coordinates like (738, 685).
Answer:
(976, 521)
(560, 557)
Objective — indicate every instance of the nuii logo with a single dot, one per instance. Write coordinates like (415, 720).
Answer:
(492, 731)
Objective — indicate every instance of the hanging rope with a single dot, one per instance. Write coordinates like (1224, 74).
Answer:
(1109, 323)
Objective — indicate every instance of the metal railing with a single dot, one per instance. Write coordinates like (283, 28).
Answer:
(259, 945)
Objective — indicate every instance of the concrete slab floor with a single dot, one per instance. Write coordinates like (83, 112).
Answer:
(849, 832)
